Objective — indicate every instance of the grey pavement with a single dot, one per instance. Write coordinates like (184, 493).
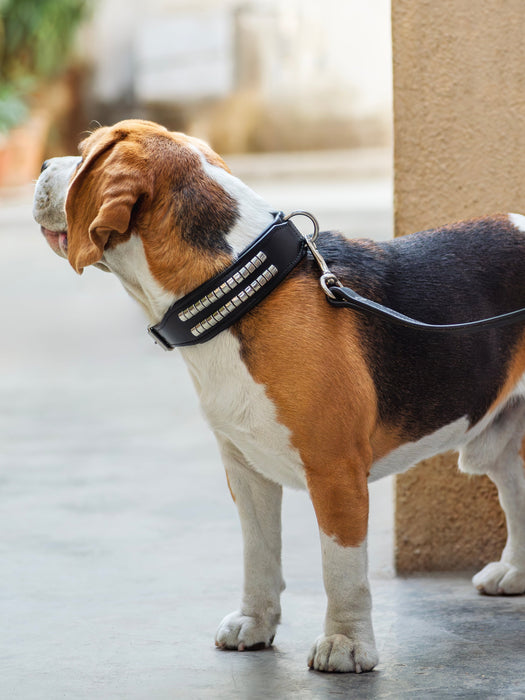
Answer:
(120, 546)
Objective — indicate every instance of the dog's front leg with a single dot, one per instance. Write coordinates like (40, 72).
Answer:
(258, 501)
(347, 644)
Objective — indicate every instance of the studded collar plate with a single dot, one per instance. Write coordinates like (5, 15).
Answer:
(222, 300)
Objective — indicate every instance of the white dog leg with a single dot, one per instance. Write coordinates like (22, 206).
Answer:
(496, 453)
(348, 642)
(507, 576)
(258, 501)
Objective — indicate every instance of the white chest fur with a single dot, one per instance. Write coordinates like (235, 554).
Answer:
(239, 409)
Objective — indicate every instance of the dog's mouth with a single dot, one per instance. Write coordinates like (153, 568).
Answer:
(57, 240)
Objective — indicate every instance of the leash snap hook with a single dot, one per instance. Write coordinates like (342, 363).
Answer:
(327, 279)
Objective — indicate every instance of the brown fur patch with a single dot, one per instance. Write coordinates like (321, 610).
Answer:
(230, 487)
(384, 440)
(309, 358)
(515, 370)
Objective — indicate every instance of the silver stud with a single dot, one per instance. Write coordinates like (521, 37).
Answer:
(250, 291)
(230, 306)
(244, 272)
(273, 270)
(197, 330)
(206, 324)
(250, 267)
(236, 301)
(261, 256)
(237, 277)
(243, 296)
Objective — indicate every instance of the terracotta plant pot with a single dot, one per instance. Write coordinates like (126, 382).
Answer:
(22, 150)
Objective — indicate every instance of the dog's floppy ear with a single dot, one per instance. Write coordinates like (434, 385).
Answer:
(100, 202)
(86, 243)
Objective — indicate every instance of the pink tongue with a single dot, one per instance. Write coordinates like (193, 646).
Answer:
(62, 241)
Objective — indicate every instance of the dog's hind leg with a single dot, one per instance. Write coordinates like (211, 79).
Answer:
(258, 502)
(496, 452)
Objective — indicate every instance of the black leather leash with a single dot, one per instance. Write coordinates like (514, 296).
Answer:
(348, 298)
(221, 301)
(341, 296)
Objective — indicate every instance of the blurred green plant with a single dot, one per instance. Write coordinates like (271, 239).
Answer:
(36, 37)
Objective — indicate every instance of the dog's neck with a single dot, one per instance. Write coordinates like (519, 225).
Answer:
(254, 213)
(128, 260)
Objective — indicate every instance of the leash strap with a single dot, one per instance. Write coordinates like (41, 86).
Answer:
(346, 297)
(341, 296)
(219, 302)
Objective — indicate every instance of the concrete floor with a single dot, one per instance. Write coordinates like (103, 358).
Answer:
(120, 546)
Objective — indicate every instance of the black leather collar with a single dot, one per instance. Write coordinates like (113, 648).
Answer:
(222, 300)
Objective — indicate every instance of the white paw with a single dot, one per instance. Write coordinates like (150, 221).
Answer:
(341, 654)
(241, 632)
(500, 578)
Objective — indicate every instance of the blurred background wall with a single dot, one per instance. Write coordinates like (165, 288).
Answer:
(252, 75)
(246, 75)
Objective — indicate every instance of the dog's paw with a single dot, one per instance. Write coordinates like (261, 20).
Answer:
(244, 632)
(500, 578)
(338, 653)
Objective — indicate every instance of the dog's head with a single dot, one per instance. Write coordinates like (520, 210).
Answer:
(138, 187)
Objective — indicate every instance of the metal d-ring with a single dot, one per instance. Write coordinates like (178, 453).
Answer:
(313, 236)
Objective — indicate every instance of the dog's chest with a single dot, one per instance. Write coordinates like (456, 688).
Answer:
(238, 409)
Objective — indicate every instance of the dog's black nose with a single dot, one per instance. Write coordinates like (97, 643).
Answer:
(44, 166)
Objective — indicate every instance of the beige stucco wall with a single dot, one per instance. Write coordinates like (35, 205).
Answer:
(459, 151)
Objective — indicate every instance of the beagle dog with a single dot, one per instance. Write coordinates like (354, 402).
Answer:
(297, 392)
